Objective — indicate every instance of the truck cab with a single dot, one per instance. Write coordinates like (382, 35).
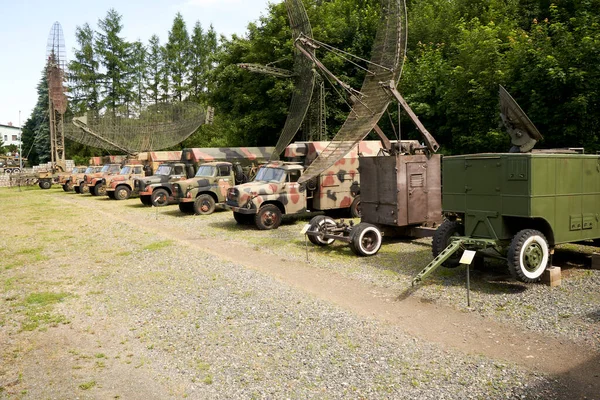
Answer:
(120, 186)
(96, 183)
(78, 179)
(155, 190)
(66, 179)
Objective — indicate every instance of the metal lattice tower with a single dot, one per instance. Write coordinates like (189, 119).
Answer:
(57, 100)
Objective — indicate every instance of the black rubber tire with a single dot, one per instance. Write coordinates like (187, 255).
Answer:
(268, 217)
(146, 200)
(441, 240)
(65, 188)
(365, 240)
(204, 204)
(186, 208)
(83, 188)
(99, 190)
(122, 192)
(160, 198)
(355, 207)
(528, 255)
(76, 189)
(320, 223)
(243, 219)
(45, 184)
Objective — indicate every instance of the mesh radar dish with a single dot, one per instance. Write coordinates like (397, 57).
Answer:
(154, 128)
(385, 66)
(523, 134)
(57, 100)
(303, 74)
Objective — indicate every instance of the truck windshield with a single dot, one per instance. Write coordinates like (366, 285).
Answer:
(113, 169)
(105, 168)
(270, 175)
(89, 170)
(163, 170)
(206, 170)
(125, 170)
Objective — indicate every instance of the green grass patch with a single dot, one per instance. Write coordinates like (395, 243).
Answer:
(38, 310)
(87, 385)
(158, 245)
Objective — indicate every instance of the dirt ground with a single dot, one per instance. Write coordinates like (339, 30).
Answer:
(57, 353)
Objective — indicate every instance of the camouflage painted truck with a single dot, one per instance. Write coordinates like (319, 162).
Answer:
(121, 186)
(275, 190)
(96, 183)
(77, 180)
(65, 180)
(208, 188)
(520, 204)
(85, 184)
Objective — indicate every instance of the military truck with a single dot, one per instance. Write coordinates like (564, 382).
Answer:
(77, 180)
(208, 188)
(96, 182)
(158, 190)
(518, 205)
(121, 186)
(65, 180)
(275, 190)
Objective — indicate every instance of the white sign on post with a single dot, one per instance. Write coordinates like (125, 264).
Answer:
(467, 257)
(305, 229)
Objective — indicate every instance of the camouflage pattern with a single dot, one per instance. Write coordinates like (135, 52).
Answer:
(96, 182)
(122, 185)
(78, 179)
(66, 179)
(337, 187)
(248, 157)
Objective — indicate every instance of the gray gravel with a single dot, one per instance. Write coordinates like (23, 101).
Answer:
(197, 326)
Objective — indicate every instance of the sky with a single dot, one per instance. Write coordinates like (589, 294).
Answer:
(26, 24)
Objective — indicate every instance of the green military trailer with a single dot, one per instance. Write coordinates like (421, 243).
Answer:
(522, 204)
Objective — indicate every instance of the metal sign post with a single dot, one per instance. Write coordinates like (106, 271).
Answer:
(305, 229)
(467, 259)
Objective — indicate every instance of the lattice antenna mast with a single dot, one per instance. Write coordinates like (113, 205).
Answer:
(56, 57)
(377, 91)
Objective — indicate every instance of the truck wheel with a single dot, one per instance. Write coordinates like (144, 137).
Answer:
(45, 184)
(122, 193)
(77, 189)
(441, 240)
(99, 190)
(83, 188)
(69, 186)
(243, 219)
(186, 208)
(528, 255)
(355, 207)
(365, 240)
(65, 188)
(320, 223)
(268, 217)
(146, 200)
(204, 204)
(160, 198)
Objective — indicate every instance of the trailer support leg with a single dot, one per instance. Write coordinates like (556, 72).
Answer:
(438, 261)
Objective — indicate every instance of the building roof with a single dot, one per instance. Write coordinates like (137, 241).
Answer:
(9, 126)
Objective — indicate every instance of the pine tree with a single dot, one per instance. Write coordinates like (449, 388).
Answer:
(178, 57)
(36, 130)
(83, 73)
(137, 82)
(154, 66)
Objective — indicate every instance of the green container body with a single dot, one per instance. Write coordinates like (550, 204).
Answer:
(500, 194)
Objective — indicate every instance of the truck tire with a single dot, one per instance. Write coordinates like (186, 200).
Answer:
(365, 240)
(83, 188)
(146, 200)
(76, 189)
(528, 255)
(122, 192)
(441, 240)
(320, 223)
(45, 184)
(268, 217)
(160, 198)
(204, 204)
(243, 219)
(99, 190)
(186, 208)
(65, 188)
(69, 186)
(355, 207)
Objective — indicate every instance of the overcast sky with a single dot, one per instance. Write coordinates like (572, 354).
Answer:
(26, 25)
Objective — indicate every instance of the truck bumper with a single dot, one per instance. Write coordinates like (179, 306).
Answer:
(240, 209)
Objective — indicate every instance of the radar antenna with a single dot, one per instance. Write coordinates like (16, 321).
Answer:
(57, 100)
(523, 134)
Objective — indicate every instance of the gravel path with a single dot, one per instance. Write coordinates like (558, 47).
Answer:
(147, 315)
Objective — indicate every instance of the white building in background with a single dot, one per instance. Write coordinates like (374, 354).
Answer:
(10, 134)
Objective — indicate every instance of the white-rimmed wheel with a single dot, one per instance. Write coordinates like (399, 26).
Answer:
(528, 255)
(320, 224)
(365, 240)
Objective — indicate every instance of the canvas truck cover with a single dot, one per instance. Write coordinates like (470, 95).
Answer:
(231, 154)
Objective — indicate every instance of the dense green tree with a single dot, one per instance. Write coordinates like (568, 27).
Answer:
(178, 57)
(36, 130)
(83, 72)
(113, 52)
(154, 66)
(137, 83)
